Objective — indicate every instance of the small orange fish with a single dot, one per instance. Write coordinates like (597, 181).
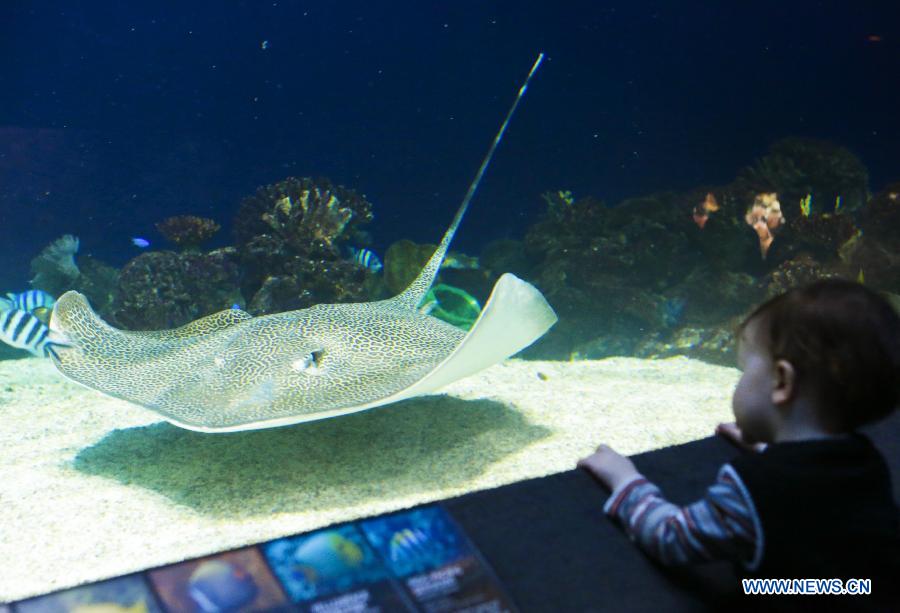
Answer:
(702, 210)
(700, 217)
(873, 38)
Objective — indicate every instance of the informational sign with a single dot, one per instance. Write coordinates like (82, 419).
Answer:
(417, 561)
(334, 570)
(129, 594)
(438, 566)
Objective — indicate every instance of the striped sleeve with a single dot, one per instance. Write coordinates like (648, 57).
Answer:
(722, 525)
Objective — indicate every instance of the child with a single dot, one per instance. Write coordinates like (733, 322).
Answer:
(816, 502)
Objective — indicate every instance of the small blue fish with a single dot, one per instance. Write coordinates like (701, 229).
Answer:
(137, 241)
(22, 330)
(27, 301)
(366, 259)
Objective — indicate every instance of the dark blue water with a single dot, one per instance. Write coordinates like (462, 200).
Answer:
(114, 115)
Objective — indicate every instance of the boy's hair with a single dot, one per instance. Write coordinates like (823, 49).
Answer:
(843, 339)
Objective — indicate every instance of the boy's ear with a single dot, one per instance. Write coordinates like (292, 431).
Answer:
(785, 387)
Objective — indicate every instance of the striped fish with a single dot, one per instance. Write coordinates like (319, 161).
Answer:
(366, 259)
(27, 301)
(23, 330)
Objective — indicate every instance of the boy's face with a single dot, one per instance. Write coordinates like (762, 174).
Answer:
(754, 411)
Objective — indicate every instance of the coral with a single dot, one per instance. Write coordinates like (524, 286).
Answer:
(300, 211)
(164, 289)
(874, 253)
(301, 283)
(670, 273)
(765, 217)
(823, 233)
(565, 224)
(645, 240)
(881, 216)
(187, 231)
(872, 261)
(558, 202)
(403, 261)
(606, 270)
(97, 281)
(506, 255)
(796, 167)
(289, 236)
(54, 270)
(794, 273)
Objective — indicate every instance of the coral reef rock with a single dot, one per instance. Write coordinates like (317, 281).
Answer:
(881, 217)
(187, 231)
(165, 289)
(793, 273)
(797, 167)
(671, 273)
(873, 254)
(98, 281)
(607, 270)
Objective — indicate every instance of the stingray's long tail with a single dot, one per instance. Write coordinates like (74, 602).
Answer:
(413, 295)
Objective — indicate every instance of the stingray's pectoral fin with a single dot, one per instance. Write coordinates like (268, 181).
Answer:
(55, 341)
(516, 314)
(73, 322)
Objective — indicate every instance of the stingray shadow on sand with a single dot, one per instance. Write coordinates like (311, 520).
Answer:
(412, 447)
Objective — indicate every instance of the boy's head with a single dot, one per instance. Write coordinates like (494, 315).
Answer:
(842, 341)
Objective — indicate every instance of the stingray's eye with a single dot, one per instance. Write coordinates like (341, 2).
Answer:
(310, 363)
(316, 357)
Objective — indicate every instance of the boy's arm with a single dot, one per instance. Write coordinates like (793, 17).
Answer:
(721, 525)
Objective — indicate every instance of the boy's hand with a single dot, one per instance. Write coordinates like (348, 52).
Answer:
(608, 466)
(731, 433)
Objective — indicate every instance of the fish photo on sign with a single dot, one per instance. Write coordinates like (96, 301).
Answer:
(233, 581)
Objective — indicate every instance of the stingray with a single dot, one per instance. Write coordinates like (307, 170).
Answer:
(230, 371)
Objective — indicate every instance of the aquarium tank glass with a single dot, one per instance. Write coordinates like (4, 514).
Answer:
(268, 266)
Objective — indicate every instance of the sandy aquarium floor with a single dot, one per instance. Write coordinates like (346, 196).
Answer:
(92, 487)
